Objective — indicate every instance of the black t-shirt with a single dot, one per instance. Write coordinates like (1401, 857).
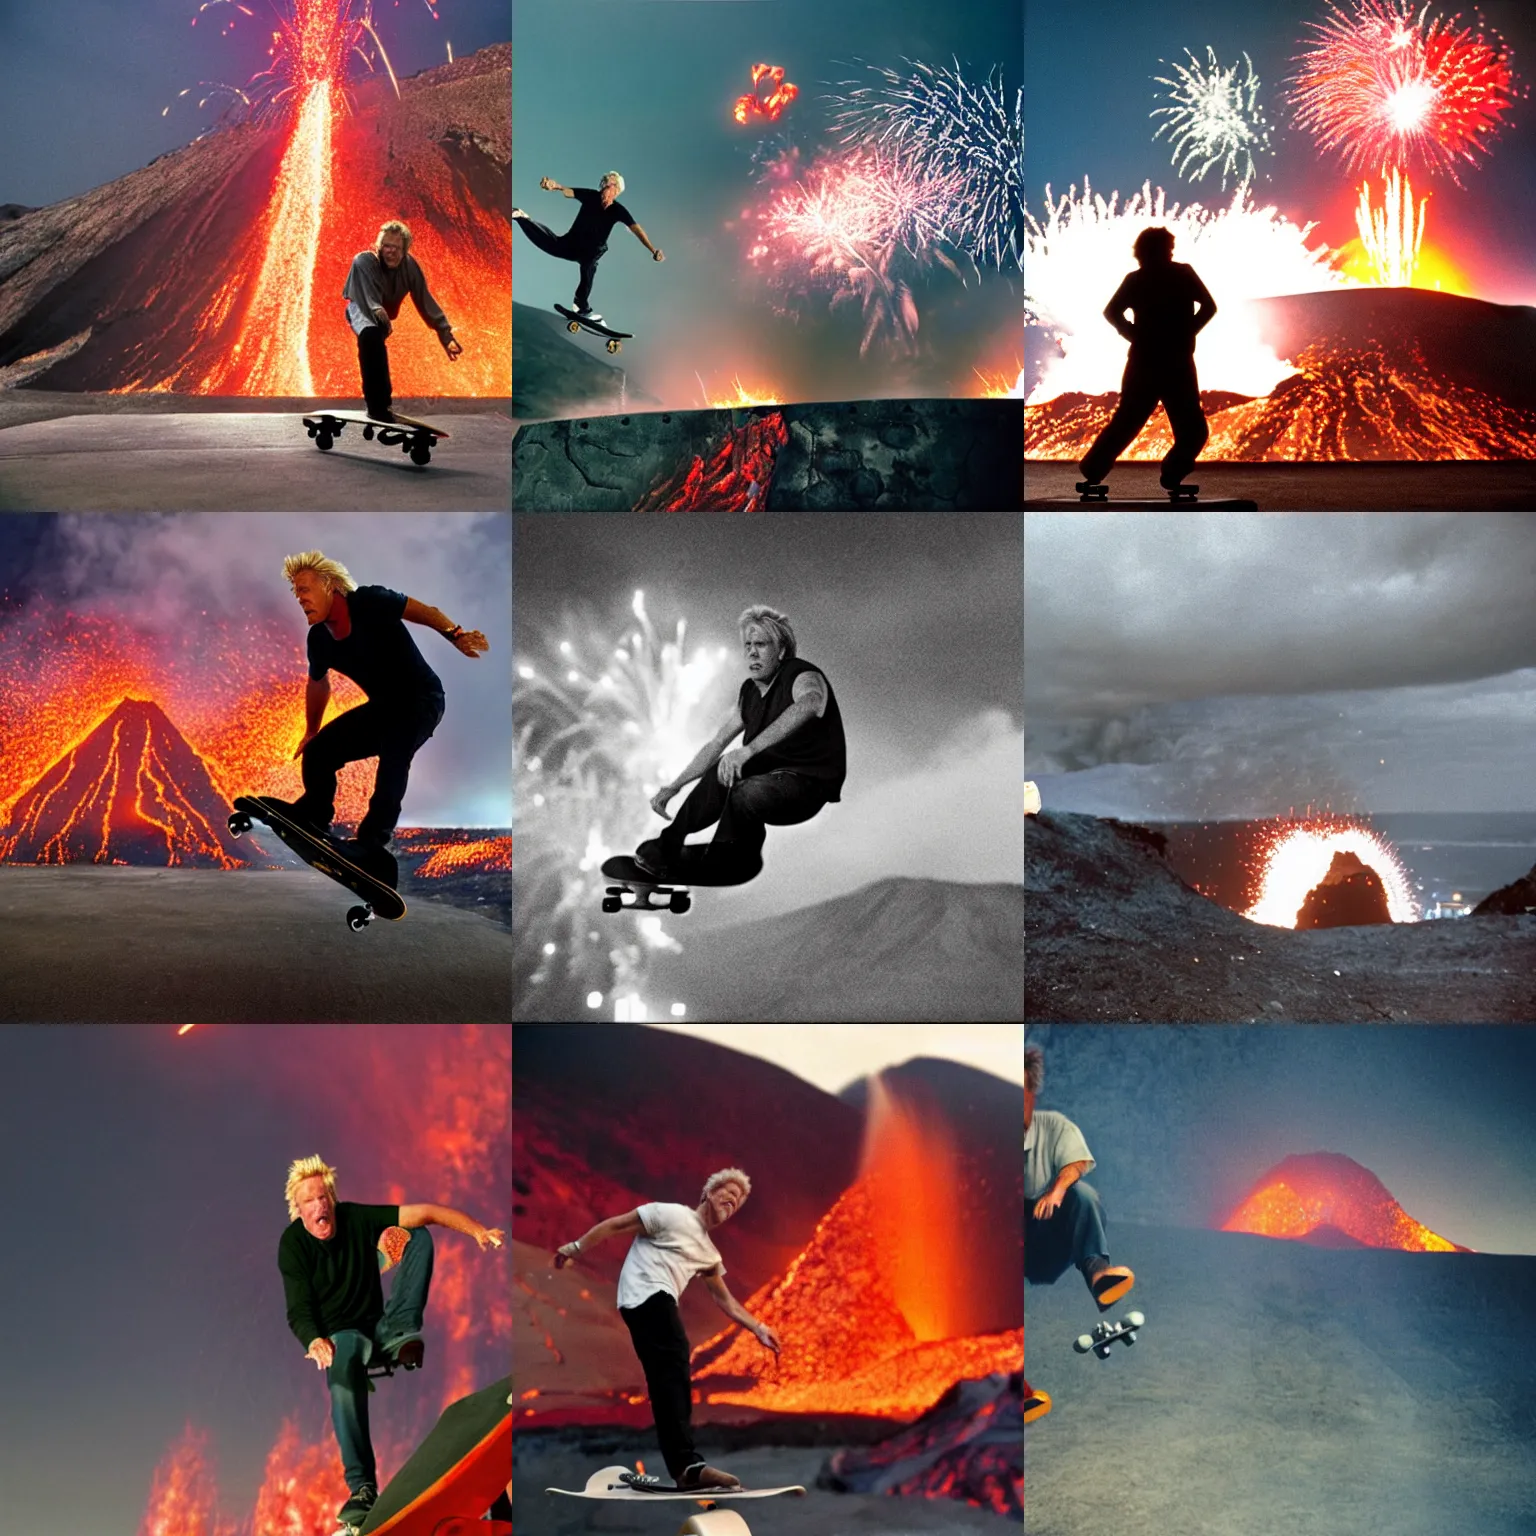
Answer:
(335, 1284)
(378, 653)
(1163, 300)
(594, 223)
(817, 749)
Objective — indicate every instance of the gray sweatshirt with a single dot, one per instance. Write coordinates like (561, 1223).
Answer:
(370, 285)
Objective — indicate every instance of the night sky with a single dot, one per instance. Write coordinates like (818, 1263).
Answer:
(1183, 1120)
(1213, 665)
(159, 577)
(651, 97)
(916, 619)
(83, 82)
(1090, 90)
(143, 1289)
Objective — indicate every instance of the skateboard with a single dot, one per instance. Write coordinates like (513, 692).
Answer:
(1105, 1334)
(320, 853)
(610, 1484)
(417, 438)
(1096, 493)
(632, 880)
(574, 322)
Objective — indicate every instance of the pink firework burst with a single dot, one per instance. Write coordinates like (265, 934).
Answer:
(1388, 87)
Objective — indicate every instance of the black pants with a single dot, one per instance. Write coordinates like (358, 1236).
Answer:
(393, 734)
(373, 361)
(656, 1327)
(559, 245)
(1074, 1235)
(780, 797)
(1171, 383)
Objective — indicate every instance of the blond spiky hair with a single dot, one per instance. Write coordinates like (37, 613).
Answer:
(332, 571)
(726, 1176)
(306, 1168)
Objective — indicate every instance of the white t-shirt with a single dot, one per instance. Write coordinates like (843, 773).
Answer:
(674, 1247)
(1050, 1143)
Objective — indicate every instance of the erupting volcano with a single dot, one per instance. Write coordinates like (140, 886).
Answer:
(1324, 872)
(1330, 1200)
(132, 792)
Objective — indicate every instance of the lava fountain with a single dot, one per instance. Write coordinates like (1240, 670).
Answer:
(1320, 1195)
(1298, 856)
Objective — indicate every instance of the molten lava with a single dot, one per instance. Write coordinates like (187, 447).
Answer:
(736, 477)
(485, 853)
(771, 106)
(1326, 1193)
(871, 1312)
(1297, 858)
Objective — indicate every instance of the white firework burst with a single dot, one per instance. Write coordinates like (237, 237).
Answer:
(1213, 117)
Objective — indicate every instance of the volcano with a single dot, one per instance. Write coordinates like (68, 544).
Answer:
(132, 792)
(145, 283)
(1331, 1199)
(1385, 374)
(1350, 895)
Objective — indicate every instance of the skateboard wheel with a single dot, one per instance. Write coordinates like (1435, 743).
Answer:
(239, 824)
(358, 918)
(612, 904)
(323, 440)
(615, 346)
(421, 455)
(572, 327)
(679, 902)
(1084, 1343)
(367, 434)
(1136, 1320)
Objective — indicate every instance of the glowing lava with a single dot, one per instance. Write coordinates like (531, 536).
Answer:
(735, 478)
(1307, 1194)
(483, 854)
(771, 106)
(1298, 857)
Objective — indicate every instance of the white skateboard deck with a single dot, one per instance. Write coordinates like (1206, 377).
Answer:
(606, 1485)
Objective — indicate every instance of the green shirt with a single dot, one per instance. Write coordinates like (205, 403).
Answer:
(335, 1284)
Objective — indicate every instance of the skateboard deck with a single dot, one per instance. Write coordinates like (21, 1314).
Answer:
(632, 880)
(320, 853)
(457, 1472)
(606, 1485)
(574, 322)
(1105, 1335)
(416, 438)
(1143, 504)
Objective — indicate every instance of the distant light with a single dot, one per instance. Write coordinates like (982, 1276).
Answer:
(538, 799)
(549, 949)
(565, 647)
(594, 999)
(526, 673)
(573, 676)
(679, 1009)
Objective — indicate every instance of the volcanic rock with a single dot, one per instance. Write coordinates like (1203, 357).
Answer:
(968, 1446)
(1350, 895)
(132, 792)
(950, 455)
(1514, 899)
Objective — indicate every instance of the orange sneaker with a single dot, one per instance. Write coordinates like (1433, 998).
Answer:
(1110, 1284)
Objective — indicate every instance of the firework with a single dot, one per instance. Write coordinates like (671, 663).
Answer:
(770, 107)
(1389, 88)
(1077, 255)
(1213, 118)
(946, 126)
(1391, 235)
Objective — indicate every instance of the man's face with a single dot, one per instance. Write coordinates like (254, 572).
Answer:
(314, 594)
(392, 251)
(723, 1201)
(762, 653)
(608, 191)
(1029, 1105)
(316, 1208)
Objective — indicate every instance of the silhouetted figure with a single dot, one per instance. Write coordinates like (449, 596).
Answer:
(1172, 306)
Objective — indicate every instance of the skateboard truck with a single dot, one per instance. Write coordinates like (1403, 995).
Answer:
(1092, 490)
(1178, 493)
(1106, 1334)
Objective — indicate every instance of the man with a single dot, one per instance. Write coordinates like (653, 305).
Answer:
(377, 286)
(1172, 306)
(791, 762)
(358, 631)
(672, 1245)
(587, 239)
(1065, 1224)
(336, 1304)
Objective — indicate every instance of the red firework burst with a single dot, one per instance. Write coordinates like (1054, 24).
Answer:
(1389, 87)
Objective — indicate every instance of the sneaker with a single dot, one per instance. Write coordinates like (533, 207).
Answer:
(519, 213)
(588, 314)
(407, 1353)
(355, 1510)
(370, 858)
(650, 859)
(296, 813)
(702, 1476)
(1036, 1404)
(1109, 1284)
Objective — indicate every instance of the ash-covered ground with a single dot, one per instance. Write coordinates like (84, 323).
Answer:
(1113, 935)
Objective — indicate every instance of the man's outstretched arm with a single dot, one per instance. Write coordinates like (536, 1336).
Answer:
(737, 1313)
(549, 184)
(615, 1226)
(412, 1216)
(645, 240)
(468, 641)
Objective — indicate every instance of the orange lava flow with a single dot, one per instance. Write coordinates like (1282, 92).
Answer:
(1297, 857)
(486, 853)
(736, 477)
(1325, 1189)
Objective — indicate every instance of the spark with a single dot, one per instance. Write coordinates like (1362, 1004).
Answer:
(1077, 254)
(947, 126)
(1391, 235)
(1388, 88)
(770, 107)
(1213, 117)
(1298, 857)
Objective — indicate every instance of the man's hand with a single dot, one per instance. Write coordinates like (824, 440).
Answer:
(382, 320)
(766, 1337)
(658, 254)
(659, 801)
(728, 770)
(548, 184)
(471, 643)
(452, 347)
(1048, 1204)
(322, 1352)
(565, 1255)
(488, 1237)
(309, 736)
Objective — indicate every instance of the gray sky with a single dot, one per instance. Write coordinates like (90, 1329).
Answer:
(1207, 665)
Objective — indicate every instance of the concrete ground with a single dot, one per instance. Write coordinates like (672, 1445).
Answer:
(1313, 487)
(1283, 1390)
(88, 453)
(127, 945)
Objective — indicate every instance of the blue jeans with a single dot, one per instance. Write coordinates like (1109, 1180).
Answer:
(1074, 1235)
(347, 1375)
